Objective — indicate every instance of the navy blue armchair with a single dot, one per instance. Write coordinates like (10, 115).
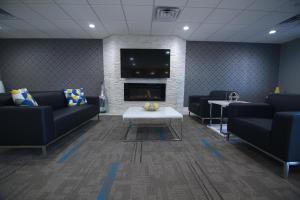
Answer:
(272, 127)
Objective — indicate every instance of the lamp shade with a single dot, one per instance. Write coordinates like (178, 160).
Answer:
(2, 89)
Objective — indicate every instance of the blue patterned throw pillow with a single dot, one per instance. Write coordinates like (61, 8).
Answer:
(75, 97)
(22, 97)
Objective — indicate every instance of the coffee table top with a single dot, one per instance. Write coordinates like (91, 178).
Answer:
(224, 103)
(161, 113)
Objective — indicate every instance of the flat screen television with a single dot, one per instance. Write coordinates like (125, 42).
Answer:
(145, 63)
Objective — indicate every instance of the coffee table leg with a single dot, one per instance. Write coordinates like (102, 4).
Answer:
(210, 114)
(221, 120)
(127, 129)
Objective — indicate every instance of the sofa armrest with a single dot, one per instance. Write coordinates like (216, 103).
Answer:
(93, 100)
(197, 98)
(285, 136)
(260, 110)
(26, 125)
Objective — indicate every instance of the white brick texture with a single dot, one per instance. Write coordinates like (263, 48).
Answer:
(114, 84)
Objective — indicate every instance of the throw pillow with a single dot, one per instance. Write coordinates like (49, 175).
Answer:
(22, 97)
(75, 97)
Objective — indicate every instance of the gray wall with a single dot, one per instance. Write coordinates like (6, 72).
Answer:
(289, 69)
(250, 69)
(52, 64)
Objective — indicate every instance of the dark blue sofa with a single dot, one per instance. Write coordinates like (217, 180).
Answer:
(38, 127)
(272, 127)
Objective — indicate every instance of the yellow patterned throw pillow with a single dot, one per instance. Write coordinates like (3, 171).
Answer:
(75, 97)
(22, 97)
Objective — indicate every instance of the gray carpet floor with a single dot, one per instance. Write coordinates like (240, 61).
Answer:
(94, 164)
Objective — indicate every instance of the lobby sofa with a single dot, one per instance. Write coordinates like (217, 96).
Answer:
(272, 127)
(38, 127)
(199, 106)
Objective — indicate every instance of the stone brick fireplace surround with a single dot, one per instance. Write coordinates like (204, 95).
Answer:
(114, 84)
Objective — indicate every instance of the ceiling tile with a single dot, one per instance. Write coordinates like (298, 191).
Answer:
(80, 2)
(203, 3)
(194, 14)
(138, 13)
(221, 16)
(273, 19)
(109, 12)
(248, 17)
(116, 27)
(205, 30)
(79, 12)
(138, 2)
(17, 24)
(49, 11)
(42, 24)
(172, 3)
(98, 26)
(21, 11)
(10, 2)
(106, 2)
(37, 1)
(163, 28)
(138, 27)
(235, 4)
(4, 27)
(185, 34)
(66, 24)
(80, 35)
(225, 32)
(290, 6)
(268, 5)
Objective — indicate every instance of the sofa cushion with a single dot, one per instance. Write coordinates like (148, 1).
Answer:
(68, 118)
(254, 130)
(284, 102)
(75, 97)
(22, 97)
(55, 99)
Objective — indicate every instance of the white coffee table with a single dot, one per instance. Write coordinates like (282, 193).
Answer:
(166, 115)
(223, 104)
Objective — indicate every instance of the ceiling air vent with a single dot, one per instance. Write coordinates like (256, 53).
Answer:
(293, 19)
(5, 15)
(167, 14)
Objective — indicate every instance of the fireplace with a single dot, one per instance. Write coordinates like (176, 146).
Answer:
(144, 92)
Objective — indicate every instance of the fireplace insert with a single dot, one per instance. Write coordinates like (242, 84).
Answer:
(144, 92)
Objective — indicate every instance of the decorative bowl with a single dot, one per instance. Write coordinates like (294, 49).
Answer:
(151, 106)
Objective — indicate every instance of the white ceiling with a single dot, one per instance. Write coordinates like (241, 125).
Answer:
(209, 20)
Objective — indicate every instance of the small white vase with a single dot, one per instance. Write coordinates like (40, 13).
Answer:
(2, 89)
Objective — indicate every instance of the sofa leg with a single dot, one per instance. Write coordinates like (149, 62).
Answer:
(189, 113)
(44, 150)
(202, 120)
(286, 169)
(227, 136)
(98, 116)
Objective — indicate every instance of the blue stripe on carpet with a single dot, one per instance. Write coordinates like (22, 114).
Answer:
(108, 182)
(162, 135)
(68, 154)
(214, 151)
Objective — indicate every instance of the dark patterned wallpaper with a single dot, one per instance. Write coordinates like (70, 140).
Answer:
(250, 69)
(52, 64)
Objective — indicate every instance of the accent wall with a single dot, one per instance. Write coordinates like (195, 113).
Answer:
(52, 64)
(250, 69)
(289, 70)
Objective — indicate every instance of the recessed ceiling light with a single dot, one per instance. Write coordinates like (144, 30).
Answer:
(272, 31)
(185, 28)
(92, 25)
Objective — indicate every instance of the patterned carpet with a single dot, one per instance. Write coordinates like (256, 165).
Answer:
(94, 164)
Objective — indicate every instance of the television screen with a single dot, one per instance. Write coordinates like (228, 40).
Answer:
(145, 63)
